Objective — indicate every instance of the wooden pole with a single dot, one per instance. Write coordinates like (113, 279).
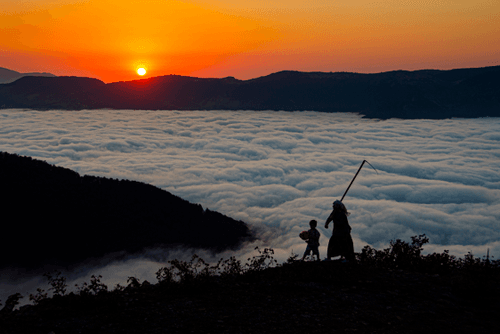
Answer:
(354, 178)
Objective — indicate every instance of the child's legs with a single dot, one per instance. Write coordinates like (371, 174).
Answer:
(315, 251)
(307, 252)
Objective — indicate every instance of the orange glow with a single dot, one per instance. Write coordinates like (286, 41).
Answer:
(105, 39)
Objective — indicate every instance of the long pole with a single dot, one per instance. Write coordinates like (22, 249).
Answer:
(354, 178)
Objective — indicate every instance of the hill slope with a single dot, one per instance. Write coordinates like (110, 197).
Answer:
(322, 297)
(61, 218)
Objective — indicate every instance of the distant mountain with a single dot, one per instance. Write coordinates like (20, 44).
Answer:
(53, 216)
(403, 94)
(7, 76)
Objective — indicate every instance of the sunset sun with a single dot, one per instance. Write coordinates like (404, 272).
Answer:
(141, 71)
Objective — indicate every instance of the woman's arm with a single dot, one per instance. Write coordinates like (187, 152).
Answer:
(329, 219)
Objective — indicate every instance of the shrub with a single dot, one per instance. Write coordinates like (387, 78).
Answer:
(11, 302)
(229, 268)
(440, 262)
(184, 272)
(93, 288)
(400, 254)
(264, 260)
(403, 255)
(41, 295)
(406, 255)
(57, 283)
(133, 283)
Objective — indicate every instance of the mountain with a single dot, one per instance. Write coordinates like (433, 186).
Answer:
(54, 216)
(7, 76)
(432, 94)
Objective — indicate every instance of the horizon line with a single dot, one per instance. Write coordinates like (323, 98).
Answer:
(228, 77)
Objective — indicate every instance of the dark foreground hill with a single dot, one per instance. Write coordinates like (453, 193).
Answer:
(390, 291)
(53, 216)
(431, 94)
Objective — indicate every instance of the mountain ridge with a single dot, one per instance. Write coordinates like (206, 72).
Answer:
(8, 76)
(433, 94)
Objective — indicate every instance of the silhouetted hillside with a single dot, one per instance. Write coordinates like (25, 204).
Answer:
(53, 216)
(395, 290)
(7, 76)
(402, 94)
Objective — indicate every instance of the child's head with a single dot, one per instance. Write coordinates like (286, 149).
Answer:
(313, 223)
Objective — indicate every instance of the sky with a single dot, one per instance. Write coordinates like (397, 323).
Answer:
(111, 39)
(278, 170)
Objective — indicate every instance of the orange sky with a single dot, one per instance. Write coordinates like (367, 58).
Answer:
(110, 39)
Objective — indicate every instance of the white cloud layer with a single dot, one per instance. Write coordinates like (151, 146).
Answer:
(279, 170)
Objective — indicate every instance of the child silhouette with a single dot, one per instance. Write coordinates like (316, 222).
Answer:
(312, 241)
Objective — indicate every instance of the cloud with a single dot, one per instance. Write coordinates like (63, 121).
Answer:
(278, 170)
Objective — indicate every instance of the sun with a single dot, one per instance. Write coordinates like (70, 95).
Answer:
(141, 71)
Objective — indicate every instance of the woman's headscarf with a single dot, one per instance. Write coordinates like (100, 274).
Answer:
(338, 205)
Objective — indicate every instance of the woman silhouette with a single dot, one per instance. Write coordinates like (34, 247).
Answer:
(341, 242)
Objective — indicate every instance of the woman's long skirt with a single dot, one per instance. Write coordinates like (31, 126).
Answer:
(341, 245)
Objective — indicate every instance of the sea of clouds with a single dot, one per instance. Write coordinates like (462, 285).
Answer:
(278, 170)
